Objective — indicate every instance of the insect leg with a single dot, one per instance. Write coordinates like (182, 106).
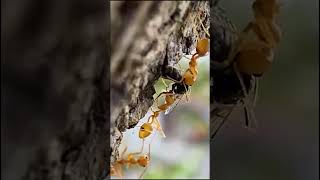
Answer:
(187, 91)
(141, 149)
(204, 28)
(145, 169)
(245, 99)
(158, 126)
(256, 87)
(246, 117)
(224, 119)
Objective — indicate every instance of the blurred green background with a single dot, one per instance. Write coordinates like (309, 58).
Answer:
(184, 153)
(286, 144)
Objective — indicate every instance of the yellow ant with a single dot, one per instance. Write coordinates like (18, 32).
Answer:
(147, 128)
(180, 87)
(131, 159)
(190, 76)
(253, 55)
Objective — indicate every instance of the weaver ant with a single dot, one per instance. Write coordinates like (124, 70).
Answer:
(184, 82)
(170, 97)
(131, 159)
(252, 55)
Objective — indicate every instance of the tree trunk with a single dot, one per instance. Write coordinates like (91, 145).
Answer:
(57, 56)
(156, 34)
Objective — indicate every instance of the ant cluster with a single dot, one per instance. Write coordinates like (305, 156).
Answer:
(235, 78)
(180, 87)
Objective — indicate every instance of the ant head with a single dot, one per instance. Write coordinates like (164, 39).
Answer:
(145, 130)
(202, 47)
(143, 160)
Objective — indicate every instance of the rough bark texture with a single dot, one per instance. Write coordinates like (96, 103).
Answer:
(155, 32)
(57, 73)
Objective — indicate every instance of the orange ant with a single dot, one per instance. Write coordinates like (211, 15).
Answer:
(190, 76)
(147, 128)
(131, 159)
(253, 56)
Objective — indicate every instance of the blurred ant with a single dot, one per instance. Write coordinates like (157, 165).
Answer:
(131, 159)
(251, 56)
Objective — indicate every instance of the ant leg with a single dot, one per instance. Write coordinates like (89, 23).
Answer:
(145, 169)
(246, 117)
(255, 91)
(171, 79)
(166, 93)
(188, 93)
(245, 100)
(204, 28)
(224, 119)
(141, 150)
(159, 128)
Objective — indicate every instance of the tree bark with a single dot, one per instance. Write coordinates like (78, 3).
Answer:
(157, 33)
(63, 57)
